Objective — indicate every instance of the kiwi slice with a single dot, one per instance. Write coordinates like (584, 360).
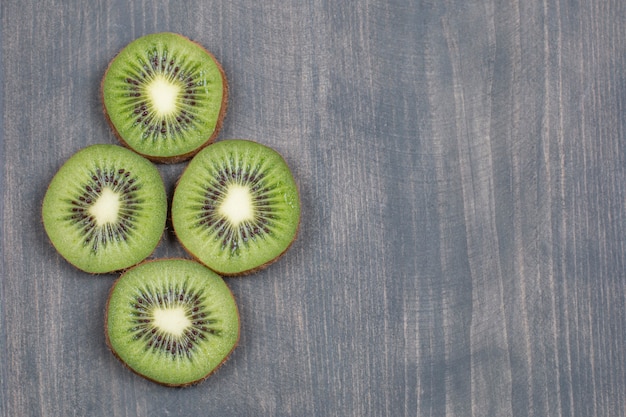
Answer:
(172, 321)
(165, 96)
(236, 206)
(105, 209)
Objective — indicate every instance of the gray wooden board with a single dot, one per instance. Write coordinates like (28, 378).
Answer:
(462, 169)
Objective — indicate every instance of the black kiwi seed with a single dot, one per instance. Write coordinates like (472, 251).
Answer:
(103, 181)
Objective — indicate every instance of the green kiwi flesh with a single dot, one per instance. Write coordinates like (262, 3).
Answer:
(236, 207)
(172, 321)
(105, 209)
(165, 96)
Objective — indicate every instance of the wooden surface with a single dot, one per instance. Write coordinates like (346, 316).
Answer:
(462, 168)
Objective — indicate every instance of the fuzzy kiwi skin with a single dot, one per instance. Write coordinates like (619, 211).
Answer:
(259, 267)
(188, 155)
(112, 350)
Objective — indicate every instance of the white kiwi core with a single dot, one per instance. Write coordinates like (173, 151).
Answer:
(237, 205)
(163, 95)
(106, 207)
(171, 320)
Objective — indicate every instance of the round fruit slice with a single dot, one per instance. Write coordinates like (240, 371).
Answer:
(105, 209)
(165, 96)
(171, 321)
(236, 207)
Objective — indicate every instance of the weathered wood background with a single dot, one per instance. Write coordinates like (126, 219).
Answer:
(462, 168)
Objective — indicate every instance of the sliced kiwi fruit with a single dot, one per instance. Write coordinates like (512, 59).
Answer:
(172, 321)
(105, 209)
(236, 207)
(165, 96)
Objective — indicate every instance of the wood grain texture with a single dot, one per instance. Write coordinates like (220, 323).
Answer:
(462, 168)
